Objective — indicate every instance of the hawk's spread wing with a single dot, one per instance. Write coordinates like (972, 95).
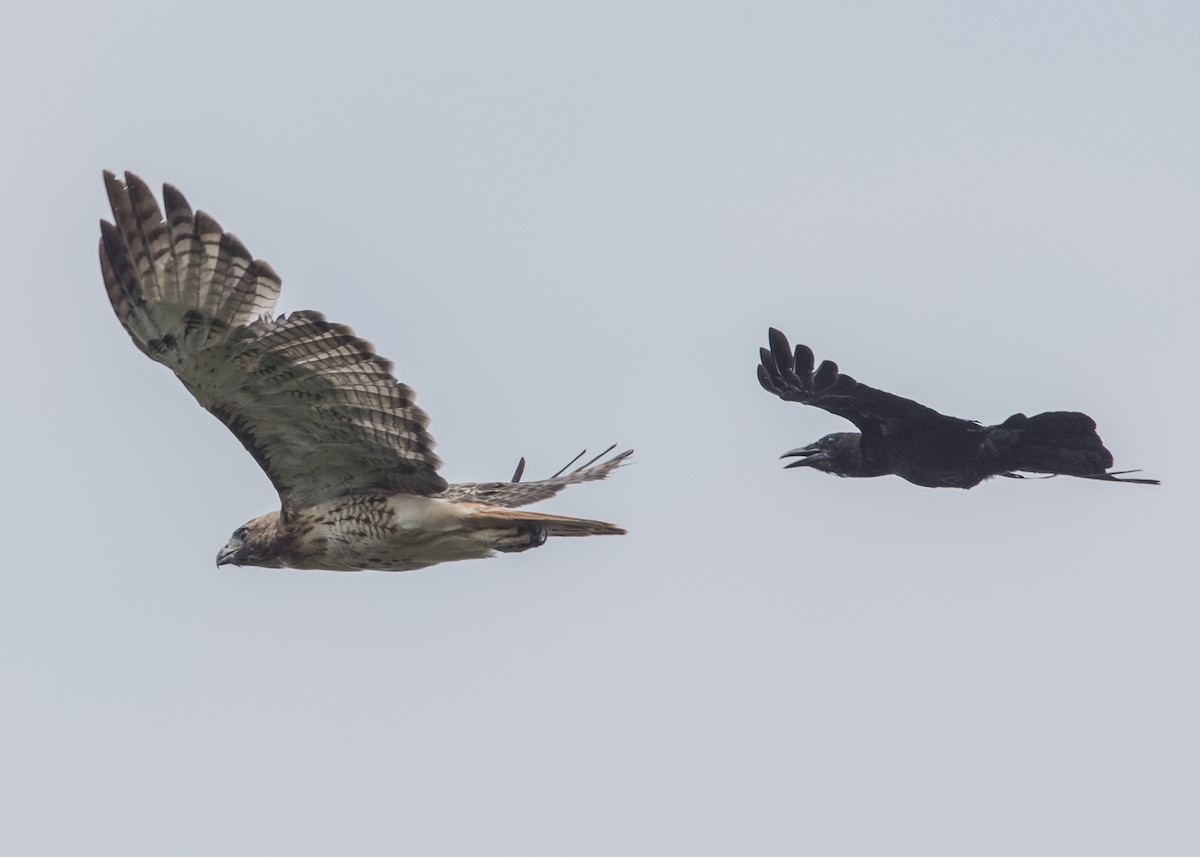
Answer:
(516, 493)
(316, 407)
(790, 376)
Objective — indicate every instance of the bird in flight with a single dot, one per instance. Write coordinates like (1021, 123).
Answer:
(339, 437)
(900, 436)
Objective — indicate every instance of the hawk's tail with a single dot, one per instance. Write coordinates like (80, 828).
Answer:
(494, 517)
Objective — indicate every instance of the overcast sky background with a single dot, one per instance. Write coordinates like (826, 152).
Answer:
(569, 225)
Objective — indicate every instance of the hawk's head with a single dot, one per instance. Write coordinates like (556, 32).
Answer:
(254, 543)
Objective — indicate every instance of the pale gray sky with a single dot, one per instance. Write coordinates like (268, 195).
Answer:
(569, 225)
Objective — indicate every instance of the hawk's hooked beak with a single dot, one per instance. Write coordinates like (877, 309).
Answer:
(808, 455)
(225, 557)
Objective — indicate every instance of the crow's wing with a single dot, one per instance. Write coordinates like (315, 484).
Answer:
(789, 375)
(516, 493)
(318, 409)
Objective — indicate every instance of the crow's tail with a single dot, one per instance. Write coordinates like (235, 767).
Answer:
(1062, 443)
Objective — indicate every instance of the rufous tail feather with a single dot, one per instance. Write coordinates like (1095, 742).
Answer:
(554, 525)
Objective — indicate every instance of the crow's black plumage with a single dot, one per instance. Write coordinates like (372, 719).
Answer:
(900, 436)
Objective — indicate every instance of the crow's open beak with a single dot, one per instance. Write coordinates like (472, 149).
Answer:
(808, 455)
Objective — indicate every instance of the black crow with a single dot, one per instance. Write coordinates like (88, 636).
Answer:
(917, 443)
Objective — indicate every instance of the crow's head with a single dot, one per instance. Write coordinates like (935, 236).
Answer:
(838, 453)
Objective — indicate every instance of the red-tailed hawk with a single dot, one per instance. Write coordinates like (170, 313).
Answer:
(338, 436)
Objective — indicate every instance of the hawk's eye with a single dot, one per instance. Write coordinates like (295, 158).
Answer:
(240, 533)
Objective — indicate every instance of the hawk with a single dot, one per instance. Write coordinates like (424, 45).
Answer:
(916, 443)
(339, 437)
